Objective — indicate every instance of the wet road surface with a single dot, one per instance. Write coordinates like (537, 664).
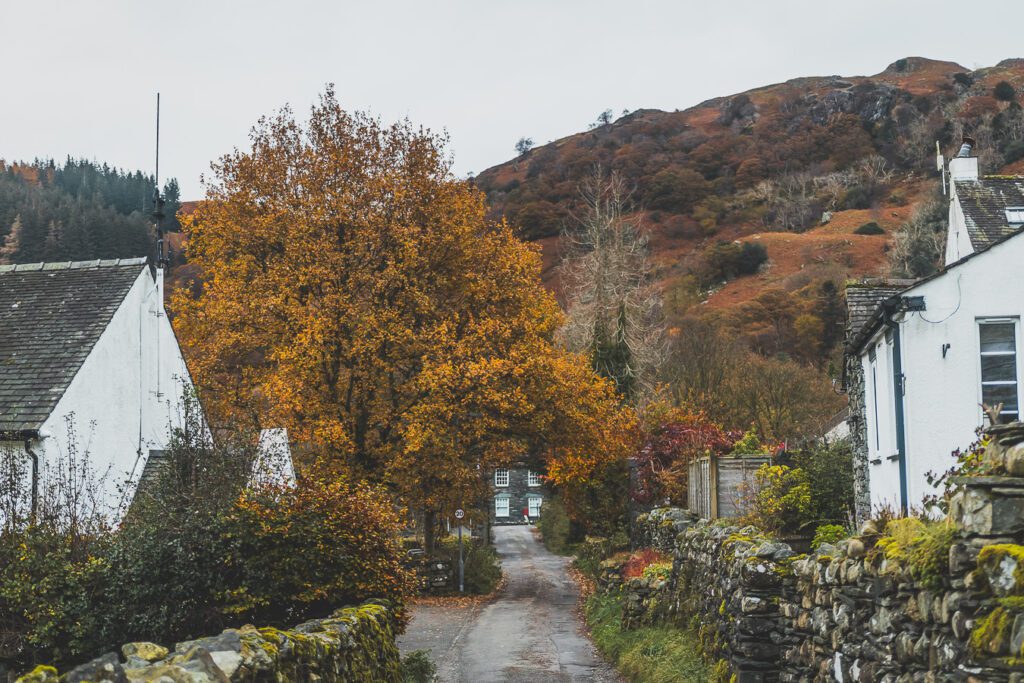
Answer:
(529, 632)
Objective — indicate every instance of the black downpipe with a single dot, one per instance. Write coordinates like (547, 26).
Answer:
(890, 308)
(35, 477)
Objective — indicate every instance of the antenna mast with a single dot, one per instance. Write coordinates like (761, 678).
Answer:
(158, 201)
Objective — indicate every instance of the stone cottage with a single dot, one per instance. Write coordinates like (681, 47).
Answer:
(517, 495)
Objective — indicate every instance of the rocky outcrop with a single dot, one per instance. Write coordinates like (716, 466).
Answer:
(353, 644)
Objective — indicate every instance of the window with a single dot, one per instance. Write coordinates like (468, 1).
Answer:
(501, 506)
(1015, 214)
(532, 478)
(533, 505)
(999, 366)
(501, 477)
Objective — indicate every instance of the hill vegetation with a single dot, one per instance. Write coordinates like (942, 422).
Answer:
(78, 211)
(760, 206)
(794, 169)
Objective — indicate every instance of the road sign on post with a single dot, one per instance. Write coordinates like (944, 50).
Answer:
(459, 514)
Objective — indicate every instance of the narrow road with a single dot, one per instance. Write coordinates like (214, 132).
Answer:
(528, 633)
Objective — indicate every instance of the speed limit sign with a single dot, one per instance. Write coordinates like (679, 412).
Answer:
(460, 513)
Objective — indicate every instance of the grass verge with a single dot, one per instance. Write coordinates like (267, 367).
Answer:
(652, 654)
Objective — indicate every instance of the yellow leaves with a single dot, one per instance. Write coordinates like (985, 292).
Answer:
(356, 293)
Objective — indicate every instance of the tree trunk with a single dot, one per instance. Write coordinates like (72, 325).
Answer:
(429, 525)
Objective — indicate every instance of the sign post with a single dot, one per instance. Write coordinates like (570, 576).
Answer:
(459, 514)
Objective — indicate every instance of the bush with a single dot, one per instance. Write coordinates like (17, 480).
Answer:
(729, 260)
(1004, 91)
(829, 471)
(829, 533)
(857, 197)
(194, 555)
(481, 568)
(640, 560)
(922, 547)
(871, 228)
(781, 500)
(417, 667)
(554, 527)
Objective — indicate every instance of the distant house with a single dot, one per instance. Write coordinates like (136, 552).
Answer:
(924, 357)
(89, 364)
(518, 495)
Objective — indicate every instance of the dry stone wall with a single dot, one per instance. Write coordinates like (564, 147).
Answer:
(353, 644)
(850, 611)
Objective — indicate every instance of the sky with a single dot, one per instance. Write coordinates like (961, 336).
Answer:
(81, 76)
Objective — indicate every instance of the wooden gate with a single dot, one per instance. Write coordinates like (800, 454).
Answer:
(720, 486)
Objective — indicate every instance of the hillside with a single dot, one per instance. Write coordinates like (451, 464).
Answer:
(796, 167)
(78, 210)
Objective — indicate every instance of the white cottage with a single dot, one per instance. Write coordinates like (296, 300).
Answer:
(88, 361)
(931, 354)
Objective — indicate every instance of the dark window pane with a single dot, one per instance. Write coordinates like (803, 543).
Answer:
(997, 337)
(991, 394)
(998, 368)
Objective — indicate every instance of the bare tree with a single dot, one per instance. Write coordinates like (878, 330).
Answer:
(614, 314)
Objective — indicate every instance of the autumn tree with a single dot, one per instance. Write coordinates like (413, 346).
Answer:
(614, 314)
(356, 293)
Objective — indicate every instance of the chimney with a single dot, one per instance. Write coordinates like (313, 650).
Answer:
(964, 166)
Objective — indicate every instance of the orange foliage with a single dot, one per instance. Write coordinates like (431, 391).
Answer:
(356, 293)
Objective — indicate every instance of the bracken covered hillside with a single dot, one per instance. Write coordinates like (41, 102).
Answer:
(799, 167)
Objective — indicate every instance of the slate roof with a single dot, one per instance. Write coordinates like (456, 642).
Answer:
(984, 203)
(51, 315)
(864, 298)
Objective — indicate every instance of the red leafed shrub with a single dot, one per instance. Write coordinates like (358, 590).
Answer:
(671, 441)
(640, 560)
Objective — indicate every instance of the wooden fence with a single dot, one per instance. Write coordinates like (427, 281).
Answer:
(718, 486)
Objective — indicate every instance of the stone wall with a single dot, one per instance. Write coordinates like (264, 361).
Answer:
(852, 611)
(353, 644)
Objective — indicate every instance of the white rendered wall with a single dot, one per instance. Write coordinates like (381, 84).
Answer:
(943, 394)
(126, 396)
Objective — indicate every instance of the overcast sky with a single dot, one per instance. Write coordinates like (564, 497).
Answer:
(80, 76)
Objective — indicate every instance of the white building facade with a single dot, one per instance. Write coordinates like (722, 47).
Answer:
(89, 368)
(933, 354)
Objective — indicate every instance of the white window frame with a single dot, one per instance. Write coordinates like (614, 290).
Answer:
(996, 320)
(533, 505)
(501, 476)
(532, 478)
(1015, 215)
(502, 506)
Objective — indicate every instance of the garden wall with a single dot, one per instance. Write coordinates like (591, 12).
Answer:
(941, 605)
(353, 644)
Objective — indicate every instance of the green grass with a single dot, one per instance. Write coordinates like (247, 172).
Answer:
(652, 654)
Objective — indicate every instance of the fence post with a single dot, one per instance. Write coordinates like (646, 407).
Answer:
(713, 483)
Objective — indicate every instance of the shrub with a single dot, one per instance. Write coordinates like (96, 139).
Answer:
(417, 667)
(781, 500)
(554, 527)
(640, 560)
(829, 533)
(729, 260)
(829, 470)
(857, 197)
(659, 570)
(1004, 91)
(871, 228)
(920, 546)
(481, 568)
(193, 556)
